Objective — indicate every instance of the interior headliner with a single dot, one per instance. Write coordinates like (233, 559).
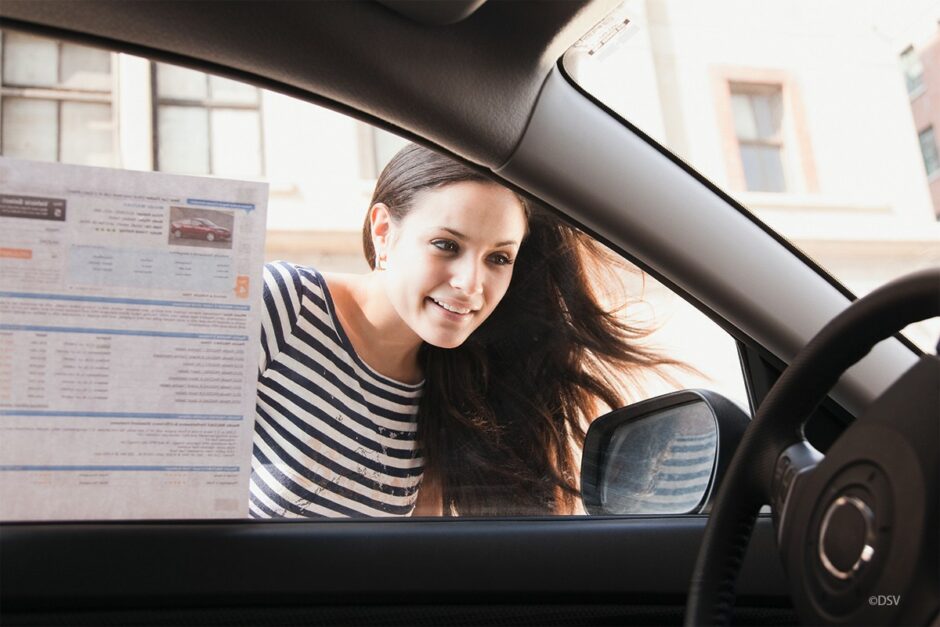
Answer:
(339, 52)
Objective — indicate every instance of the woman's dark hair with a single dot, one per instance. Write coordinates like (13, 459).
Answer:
(503, 415)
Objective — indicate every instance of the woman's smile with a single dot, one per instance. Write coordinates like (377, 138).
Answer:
(455, 309)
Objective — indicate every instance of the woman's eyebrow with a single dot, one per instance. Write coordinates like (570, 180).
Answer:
(509, 242)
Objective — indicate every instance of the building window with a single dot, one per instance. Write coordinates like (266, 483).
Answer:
(206, 124)
(376, 149)
(385, 146)
(55, 101)
(758, 124)
(928, 149)
(913, 71)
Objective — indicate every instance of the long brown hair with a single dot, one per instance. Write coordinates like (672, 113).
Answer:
(502, 414)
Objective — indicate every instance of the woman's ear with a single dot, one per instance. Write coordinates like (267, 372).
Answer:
(380, 222)
(380, 219)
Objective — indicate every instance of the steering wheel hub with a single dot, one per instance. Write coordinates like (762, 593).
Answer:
(847, 537)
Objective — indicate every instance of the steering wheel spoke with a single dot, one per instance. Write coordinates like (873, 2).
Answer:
(794, 465)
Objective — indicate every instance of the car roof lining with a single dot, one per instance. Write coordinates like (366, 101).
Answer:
(339, 51)
(436, 13)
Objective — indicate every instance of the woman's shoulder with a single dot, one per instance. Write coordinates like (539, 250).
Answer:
(291, 269)
(341, 288)
(341, 284)
(298, 286)
(306, 284)
(293, 276)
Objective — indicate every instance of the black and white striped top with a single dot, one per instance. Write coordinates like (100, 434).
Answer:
(332, 437)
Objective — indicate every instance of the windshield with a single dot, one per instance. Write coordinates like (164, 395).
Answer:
(818, 118)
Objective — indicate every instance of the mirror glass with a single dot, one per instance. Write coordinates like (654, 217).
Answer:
(661, 463)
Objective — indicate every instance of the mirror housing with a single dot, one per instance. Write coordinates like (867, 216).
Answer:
(664, 455)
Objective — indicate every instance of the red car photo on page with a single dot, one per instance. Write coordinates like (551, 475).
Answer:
(200, 228)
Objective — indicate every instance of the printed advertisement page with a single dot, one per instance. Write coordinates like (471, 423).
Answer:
(129, 329)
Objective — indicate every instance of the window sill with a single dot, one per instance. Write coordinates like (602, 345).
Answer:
(282, 189)
(817, 203)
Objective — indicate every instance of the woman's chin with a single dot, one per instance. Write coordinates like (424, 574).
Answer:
(444, 340)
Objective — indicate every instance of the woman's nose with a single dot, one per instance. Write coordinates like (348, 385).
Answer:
(468, 277)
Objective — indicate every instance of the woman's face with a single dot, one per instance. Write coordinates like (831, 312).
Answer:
(450, 259)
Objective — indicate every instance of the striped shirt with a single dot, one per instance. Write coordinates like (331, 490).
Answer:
(333, 438)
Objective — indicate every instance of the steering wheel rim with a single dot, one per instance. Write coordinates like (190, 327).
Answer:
(754, 475)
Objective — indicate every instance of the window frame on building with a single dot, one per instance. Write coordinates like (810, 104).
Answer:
(61, 94)
(913, 72)
(798, 162)
(210, 104)
(928, 151)
(372, 155)
(773, 142)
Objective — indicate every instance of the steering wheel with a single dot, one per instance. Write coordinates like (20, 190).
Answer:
(858, 530)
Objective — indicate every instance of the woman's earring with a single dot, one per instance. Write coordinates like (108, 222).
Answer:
(380, 262)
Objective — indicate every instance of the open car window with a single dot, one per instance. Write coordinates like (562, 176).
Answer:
(72, 104)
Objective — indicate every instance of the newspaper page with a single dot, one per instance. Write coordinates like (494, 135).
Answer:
(129, 329)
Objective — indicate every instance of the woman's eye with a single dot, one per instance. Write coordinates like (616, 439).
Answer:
(501, 259)
(445, 245)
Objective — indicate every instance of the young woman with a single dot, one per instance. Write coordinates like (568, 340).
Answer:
(455, 378)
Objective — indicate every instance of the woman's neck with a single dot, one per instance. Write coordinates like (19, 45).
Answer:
(379, 336)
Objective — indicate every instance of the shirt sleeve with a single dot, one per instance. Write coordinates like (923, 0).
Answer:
(281, 305)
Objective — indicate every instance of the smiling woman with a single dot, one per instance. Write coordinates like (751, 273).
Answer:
(457, 377)
(448, 261)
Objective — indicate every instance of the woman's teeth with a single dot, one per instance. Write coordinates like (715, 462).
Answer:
(451, 308)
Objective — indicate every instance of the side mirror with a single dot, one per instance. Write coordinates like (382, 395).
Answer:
(664, 455)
